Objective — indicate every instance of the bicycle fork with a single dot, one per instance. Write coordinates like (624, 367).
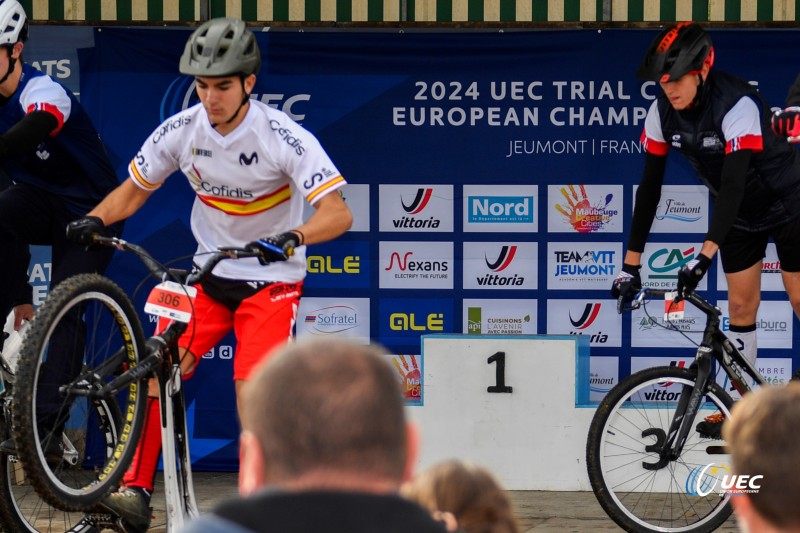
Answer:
(178, 484)
(670, 446)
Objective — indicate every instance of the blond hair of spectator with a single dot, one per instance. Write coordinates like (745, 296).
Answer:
(469, 492)
(763, 435)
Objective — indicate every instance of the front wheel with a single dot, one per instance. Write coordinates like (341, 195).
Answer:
(84, 335)
(21, 508)
(637, 487)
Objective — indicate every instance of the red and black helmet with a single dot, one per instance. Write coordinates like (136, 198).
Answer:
(678, 50)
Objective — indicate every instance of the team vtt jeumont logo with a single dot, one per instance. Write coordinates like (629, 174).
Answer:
(706, 479)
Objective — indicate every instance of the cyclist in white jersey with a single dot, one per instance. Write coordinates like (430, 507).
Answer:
(252, 169)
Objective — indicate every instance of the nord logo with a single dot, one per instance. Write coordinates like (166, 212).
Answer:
(321, 264)
(406, 322)
(513, 209)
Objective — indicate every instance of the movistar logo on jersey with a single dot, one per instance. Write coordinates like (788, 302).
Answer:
(248, 160)
(287, 136)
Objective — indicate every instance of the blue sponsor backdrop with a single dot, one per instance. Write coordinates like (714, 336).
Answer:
(462, 119)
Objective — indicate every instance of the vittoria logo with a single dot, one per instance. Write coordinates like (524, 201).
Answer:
(588, 317)
(507, 254)
(420, 201)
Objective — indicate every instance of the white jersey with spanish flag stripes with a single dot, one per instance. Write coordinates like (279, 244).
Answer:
(250, 183)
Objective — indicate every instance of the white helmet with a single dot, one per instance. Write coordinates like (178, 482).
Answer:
(13, 22)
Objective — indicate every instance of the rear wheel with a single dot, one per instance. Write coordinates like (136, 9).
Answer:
(84, 335)
(638, 489)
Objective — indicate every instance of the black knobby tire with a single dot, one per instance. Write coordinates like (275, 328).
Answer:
(84, 334)
(633, 488)
(21, 508)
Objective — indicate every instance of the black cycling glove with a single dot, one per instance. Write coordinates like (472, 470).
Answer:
(276, 247)
(83, 230)
(628, 282)
(691, 274)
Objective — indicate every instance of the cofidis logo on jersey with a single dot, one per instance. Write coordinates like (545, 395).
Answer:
(338, 265)
(500, 208)
(416, 208)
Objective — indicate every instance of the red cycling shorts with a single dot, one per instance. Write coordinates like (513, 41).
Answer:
(261, 323)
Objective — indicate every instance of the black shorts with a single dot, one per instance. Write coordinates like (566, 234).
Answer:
(743, 249)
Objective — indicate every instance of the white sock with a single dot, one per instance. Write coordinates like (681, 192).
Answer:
(744, 338)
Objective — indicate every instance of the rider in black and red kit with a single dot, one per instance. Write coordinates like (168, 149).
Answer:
(58, 169)
(722, 126)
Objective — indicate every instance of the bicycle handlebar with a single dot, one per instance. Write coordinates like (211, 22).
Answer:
(647, 292)
(158, 271)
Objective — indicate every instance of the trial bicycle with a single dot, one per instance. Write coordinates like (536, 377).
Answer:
(94, 321)
(22, 510)
(649, 466)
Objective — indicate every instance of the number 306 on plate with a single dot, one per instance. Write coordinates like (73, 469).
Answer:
(171, 300)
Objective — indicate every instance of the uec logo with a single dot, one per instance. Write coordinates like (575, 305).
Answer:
(703, 480)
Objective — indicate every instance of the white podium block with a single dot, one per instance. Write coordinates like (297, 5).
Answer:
(532, 437)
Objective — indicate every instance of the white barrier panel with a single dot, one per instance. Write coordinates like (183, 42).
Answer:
(532, 436)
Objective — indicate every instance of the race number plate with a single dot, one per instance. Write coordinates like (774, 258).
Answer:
(673, 310)
(171, 300)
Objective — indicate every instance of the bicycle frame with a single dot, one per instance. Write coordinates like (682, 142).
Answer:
(715, 345)
(162, 361)
(178, 483)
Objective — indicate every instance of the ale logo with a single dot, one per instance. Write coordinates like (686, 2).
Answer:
(409, 321)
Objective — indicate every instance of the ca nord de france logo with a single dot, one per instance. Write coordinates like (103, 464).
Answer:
(705, 479)
(666, 263)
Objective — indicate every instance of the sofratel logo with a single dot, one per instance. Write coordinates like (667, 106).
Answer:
(244, 160)
(507, 254)
(588, 317)
(420, 201)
